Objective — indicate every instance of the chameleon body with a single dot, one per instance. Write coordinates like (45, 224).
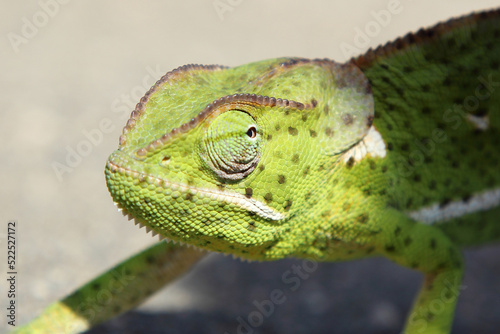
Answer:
(395, 153)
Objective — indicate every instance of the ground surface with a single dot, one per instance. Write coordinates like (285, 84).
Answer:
(68, 74)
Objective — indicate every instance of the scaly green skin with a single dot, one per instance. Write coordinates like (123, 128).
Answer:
(258, 161)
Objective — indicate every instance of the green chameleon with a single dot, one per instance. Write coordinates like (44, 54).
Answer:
(394, 153)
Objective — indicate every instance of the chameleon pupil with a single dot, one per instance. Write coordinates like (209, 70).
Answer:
(252, 132)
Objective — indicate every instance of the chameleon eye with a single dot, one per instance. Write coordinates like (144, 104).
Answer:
(231, 145)
(252, 132)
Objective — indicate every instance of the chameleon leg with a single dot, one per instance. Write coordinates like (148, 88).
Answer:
(116, 291)
(427, 249)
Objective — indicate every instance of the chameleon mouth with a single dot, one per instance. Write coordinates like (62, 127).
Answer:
(227, 196)
(163, 238)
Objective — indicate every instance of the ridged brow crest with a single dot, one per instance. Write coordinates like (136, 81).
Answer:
(218, 106)
(172, 76)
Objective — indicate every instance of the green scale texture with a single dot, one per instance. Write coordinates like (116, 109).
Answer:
(254, 161)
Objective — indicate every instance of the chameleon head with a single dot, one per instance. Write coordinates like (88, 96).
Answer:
(222, 158)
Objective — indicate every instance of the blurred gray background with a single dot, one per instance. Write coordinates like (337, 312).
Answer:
(67, 67)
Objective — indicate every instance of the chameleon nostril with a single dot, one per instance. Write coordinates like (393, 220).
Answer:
(165, 160)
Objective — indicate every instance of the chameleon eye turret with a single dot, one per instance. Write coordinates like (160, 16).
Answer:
(231, 145)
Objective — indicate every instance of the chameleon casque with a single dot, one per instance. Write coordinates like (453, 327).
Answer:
(395, 153)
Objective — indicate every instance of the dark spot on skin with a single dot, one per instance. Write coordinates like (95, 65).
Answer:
(481, 112)
(286, 91)
(306, 170)
(367, 192)
(296, 83)
(189, 197)
(390, 248)
(407, 241)
(288, 205)
(447, 81)
(409, 202)
(326, 109)
(277, 127)
(248, 192)
(293, 131)
(269, 137)
(304, 118)
(251, 226)
(370, 250)
(281, 179)
(314, 103)
(372, 164)
(262, 167)
(444, 202)
(295, 158)
(347, 119)
(268, 197)
(369, 120)
(350, 163)
(441, 266)
(329, 132)
(313, 133)
(362, 218)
